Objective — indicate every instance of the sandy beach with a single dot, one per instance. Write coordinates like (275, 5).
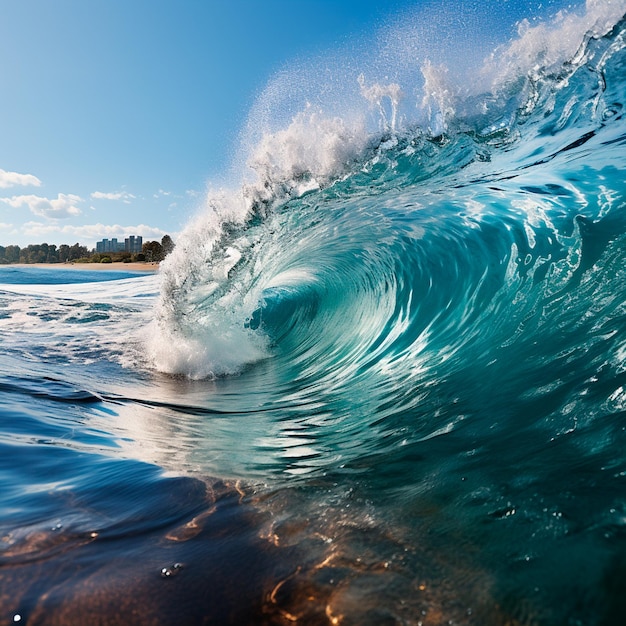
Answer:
(121, 267)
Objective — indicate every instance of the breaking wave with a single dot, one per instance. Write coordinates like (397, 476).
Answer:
(385, 224)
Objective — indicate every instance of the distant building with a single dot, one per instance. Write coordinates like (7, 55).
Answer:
(132, 244)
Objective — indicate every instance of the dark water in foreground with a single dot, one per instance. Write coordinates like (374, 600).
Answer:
(397, 397)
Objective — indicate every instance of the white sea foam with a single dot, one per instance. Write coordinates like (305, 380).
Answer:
(438, 99)
(137, 292)
(65, 321)
(386, 98)
(312, 124)
(310, 151)
(547, 45)
(423, 68)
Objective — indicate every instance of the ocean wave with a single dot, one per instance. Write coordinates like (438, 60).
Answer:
(365, 234)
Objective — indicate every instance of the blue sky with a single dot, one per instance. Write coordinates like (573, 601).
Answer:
(116, 113)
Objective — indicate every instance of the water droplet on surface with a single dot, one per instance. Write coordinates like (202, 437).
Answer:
(171, 570)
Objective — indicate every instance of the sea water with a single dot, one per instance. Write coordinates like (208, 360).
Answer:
(381, 381)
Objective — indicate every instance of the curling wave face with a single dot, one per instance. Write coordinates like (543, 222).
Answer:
(368, 279)
(365, 244)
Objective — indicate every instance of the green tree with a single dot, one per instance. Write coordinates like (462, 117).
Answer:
(30, 254)
(153, 251)
(12, 254)
(167, 245)
(53, 254)
(78, 252)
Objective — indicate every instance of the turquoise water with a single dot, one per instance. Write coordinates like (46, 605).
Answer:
(387, 388)
(19, 274)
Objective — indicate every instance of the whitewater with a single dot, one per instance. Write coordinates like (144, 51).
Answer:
(381, 379)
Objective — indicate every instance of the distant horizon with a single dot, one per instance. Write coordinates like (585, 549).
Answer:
(65, 243)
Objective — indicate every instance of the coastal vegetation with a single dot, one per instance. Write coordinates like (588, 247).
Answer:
(152, 251)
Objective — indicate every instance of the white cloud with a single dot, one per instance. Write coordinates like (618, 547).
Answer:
(8, 232)
(13, 179)
(124, 196)
(88, 234)
(64, 205)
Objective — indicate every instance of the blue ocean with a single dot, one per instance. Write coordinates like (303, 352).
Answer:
(381, 380)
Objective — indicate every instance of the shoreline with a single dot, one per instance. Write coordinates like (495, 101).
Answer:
(113, 267)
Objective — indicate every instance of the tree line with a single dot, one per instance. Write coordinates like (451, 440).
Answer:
(49, 253)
